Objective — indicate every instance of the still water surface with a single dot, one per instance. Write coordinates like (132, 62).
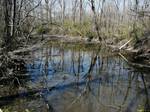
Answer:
(78, 78)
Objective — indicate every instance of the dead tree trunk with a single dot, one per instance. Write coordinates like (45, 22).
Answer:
(95, 19)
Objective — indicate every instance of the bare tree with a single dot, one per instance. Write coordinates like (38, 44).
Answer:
(81, 11)
(47, 9)
(62, 4)
(7, 6)
(95, 19)
(16, 16)
(74, 9)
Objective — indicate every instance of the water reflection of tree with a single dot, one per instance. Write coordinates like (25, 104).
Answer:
(116, 85)
(88, 76)
(126, 94)
(72, 67)
(94, 58)
(47, 55)
(147, 102)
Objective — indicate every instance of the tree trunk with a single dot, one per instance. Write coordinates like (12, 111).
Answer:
(7, 6)
(63, 10)
(95, 19)
(47, 10)
(74, 9)
(13, 26)
(81, 11)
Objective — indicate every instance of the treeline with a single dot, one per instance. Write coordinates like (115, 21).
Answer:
(17, 21)
(101, 19)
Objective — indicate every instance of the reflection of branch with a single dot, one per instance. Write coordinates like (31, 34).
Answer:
(73, 64)
(147, 103)
(32, 92)
(108, 106)
(85, 90)
(123, 57)
(128, 89)
(93, 62)
(74, 101)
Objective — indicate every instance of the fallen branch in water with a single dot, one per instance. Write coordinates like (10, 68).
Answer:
(125, 44)
(123, 57)
(5, 100)
(134, 64)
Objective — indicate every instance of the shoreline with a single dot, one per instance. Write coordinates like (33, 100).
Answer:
(38, 40)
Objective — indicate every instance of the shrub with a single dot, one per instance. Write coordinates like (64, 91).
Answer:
(77, 29)
(90, 35)
(42, 30)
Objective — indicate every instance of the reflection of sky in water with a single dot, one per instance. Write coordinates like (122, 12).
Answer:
(67, 61)
(113, 82)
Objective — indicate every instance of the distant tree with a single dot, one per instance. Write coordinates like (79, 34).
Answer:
(74, 10)
(95, 19)
(81, 10)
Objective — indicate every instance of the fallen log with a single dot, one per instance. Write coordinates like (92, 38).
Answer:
(137, 65)
(5, 100)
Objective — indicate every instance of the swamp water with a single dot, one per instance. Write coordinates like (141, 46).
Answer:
(76, 78)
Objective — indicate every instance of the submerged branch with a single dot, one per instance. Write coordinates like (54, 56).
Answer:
(5, 100)
(134, 64)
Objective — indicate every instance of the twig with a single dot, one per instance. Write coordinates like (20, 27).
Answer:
(125, 44)
(123, 57)
(134, 64)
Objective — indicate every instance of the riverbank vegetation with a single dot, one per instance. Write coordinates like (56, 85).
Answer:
(104, 20)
